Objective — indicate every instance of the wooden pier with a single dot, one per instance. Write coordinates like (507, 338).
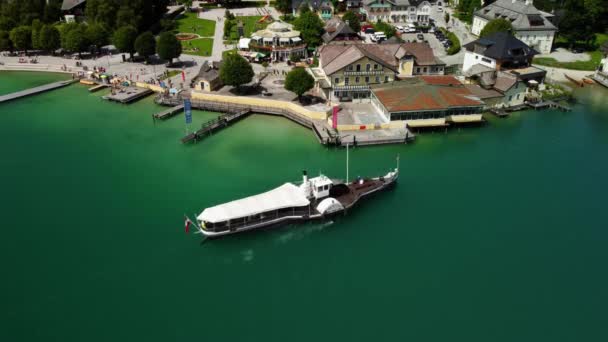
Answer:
(35, 90)
(500, 112)
(129, 94)
(549, 104)
(98, 87)
(169, 112)
(214, 125)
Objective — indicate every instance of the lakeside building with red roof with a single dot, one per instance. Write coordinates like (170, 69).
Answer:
(427, 101)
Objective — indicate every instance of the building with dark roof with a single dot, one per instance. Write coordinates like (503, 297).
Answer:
(72, 9)
(337, 31)
(323, 7)
(498, 51)
(532, 26)
(427, 101)
(208, 78)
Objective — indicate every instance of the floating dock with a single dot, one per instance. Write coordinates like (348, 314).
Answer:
(169, 112)
(549, 104)
(98, 87)
(129, 94)
(214, 125)
(35, 90)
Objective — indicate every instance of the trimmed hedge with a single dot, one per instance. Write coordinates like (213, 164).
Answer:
(455, 48)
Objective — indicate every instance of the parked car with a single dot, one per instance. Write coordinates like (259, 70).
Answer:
(577, 50)
(400, 28)
(420, 36)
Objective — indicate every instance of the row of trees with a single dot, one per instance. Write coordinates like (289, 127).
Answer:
(77, 37)
(125, 23)
(236, 71)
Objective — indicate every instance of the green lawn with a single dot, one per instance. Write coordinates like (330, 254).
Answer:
(228, 52)
(189, 23)
(590, 65)
(203, 47)
(250, 25)
(170, 74)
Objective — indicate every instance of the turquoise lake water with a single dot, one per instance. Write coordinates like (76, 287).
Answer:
(496, 233)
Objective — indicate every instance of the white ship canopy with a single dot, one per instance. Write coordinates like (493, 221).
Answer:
(285, 196)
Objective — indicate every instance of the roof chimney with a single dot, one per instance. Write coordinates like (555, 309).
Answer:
(530, 2)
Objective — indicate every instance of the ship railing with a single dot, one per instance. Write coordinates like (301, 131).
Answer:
(257, 219)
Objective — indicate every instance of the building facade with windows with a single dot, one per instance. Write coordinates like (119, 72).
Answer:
(397, 11)
(279, 40)
(347, 71)
(530, 25)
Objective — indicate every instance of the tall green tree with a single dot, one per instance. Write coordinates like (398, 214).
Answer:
(124, 39)
(236, 71)
(299, 81)
(311, 28)
(36, 27)
(353, 20)
(283, 5)
(388, 29)
(576, 24)
(5, 41)
(52, 11)
(168, 47)
(21, 36)
(145, 44)
(97, 35)
(7, 23)
(496, 25)
(49, 38)
(304, 8)
(76, 39)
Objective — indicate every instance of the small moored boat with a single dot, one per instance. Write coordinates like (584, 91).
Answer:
(314, 199)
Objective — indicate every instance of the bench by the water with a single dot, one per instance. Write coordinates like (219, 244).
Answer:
(35, 90)
(169, 112)
(214, 125)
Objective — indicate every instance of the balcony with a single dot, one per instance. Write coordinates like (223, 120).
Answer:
(364, 73)
(260, 47)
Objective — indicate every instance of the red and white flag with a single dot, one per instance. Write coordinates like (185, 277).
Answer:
(183, 76)
(187, 225)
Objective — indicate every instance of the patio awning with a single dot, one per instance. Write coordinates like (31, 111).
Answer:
(256, 37)
(284, 40)
(296, 39)
(268, 40)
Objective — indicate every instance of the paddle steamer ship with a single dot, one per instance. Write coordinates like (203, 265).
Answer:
(314, 199)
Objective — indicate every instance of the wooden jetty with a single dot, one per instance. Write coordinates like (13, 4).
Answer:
(129, 94)
(549, 104)
(500, 112)
(35, 90)
(169, 112)
(98, 87)
(214, 125)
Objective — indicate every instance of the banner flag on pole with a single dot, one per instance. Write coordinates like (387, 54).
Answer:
(188, 110)
(183, 76)
(334, 117)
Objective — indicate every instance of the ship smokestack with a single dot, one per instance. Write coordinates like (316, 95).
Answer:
(304, 177)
